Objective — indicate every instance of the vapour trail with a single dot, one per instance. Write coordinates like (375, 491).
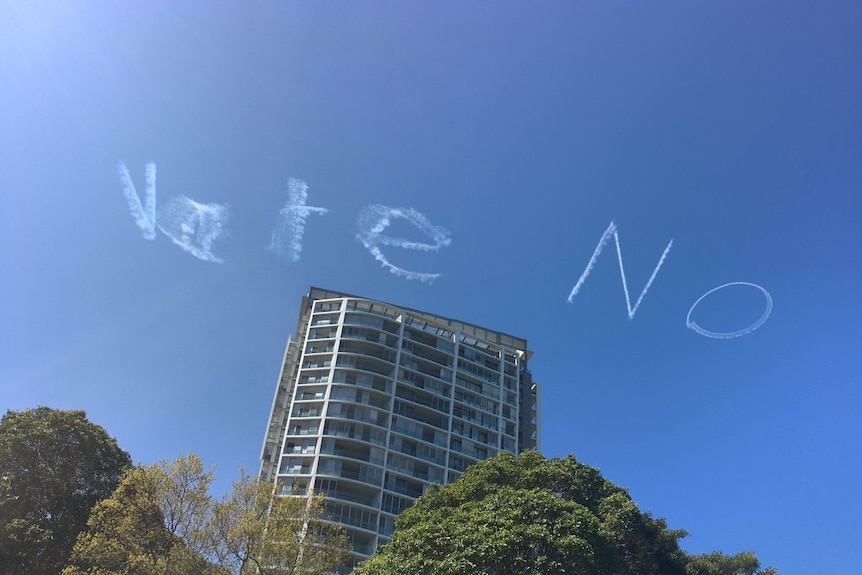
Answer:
(193, 226)
(373, 221)
(144, 215)
(629, 307)
(593, 259)
(611, 232)
(690, 323)
(287, 236)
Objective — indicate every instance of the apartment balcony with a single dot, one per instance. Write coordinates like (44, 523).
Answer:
(416, 431)
(424, 399)
(346, 495)
(409, 487)
(345, 515)
(428, 416)
(366, 380)
(358, 396)
(356, 431)
(375, 308)
(425, 367)
(315, 348)
(479, 372)
(473, 400)
(429, 353)
(419, 451)
(422, 382)
(479, 358)
(357, 413)
(327, 319)
(350, 470)
(429, 334)
(302, 430)
(362, 335)
(317, 363)
(346, 491)
(363, 349)
(364, 363)
(486, 421)
(476, 387)
(421, 472)
(316, 333)
(357, 452)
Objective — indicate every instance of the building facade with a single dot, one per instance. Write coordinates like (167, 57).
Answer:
(376, 401)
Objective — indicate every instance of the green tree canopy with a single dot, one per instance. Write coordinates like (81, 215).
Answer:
(54, 466)
(161, 520)
(529, 516)
(181, 488)
(126, 533)
(717, 563)
(155, 523)
(260, 532)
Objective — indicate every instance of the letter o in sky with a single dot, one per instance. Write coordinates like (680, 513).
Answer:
(690, 323)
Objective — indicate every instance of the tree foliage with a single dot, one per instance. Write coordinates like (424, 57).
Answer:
(717, 563)
(155, 523)
(162, 521)
(126, 533)
(530, 516)
(54, 466)
(182, 494)
(276, 535)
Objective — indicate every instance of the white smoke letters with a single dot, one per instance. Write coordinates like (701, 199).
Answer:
(194, 227)
(690, 323)
(287, 235)
(612, 232)
(190, 225)
(374, 219)
(144, 215)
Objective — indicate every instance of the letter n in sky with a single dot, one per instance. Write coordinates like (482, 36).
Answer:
(611, 232)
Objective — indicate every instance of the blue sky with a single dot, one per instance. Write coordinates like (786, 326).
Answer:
(732, 127)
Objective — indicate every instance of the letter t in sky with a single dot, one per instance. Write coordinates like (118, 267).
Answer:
(287, 235)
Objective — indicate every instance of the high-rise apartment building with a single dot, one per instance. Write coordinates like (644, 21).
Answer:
(376, 401)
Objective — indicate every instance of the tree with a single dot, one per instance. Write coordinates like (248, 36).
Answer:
(155, 523)
(260, 532)
(54, 466)
(182, 493)
(162, 521)
(126, 533)
(529, 516)
(717, 563)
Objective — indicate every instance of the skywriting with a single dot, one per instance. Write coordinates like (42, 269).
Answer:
(195, 226)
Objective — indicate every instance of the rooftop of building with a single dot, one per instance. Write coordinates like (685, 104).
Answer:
(436, 322)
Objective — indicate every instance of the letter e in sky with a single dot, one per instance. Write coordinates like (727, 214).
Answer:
(373, 221)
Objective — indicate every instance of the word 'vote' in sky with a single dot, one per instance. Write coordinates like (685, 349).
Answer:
(194, 226)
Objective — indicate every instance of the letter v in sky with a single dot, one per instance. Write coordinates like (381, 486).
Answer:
(612, 232)
(144, 215)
